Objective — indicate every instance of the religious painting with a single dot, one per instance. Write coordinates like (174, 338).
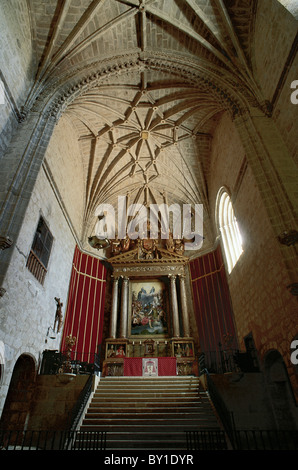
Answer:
(183, 349)
(148, 308)
(150, 367)
(115, 350)
(149, 347)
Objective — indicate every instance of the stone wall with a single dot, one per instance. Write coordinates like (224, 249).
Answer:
(246, 398)
(28, 308)
(275, 65)
(17, 58)
(262, 303)
(53, 401)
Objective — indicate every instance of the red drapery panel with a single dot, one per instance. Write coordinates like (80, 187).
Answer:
(85, 306)
(133, 366)
(167, 366)
(212, 303)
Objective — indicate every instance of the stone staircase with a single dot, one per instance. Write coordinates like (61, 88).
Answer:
(149, 413)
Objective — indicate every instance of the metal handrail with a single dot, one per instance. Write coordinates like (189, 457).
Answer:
(81, 403)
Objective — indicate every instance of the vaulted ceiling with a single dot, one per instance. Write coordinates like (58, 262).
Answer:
(145, 114)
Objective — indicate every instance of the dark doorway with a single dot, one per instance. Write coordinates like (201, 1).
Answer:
(280, 391)
(17, 405)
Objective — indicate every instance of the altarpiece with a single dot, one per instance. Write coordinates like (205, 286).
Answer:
(149, 312)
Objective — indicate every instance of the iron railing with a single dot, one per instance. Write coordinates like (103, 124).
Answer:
(80, 405)
(206, 439)
(266, 440)
(81, 362)
(200, 440)
(226, 360)
(52, 440)
(243, 440)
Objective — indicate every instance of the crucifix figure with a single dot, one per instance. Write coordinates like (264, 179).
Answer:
(58, 317)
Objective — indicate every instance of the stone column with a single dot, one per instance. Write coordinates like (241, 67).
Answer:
(113, 324)
(185, 318)
(124, 308)
(175, 314)
(19, 169)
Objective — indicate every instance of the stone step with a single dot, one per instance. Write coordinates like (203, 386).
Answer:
(161, 378)
(170, 392)
(159, 412)
(148, 383)
(114, 435)
(92, 412)
(154, 420)
(139, 428)
(146, 399)
(148, 407)
(140, 414)
(157, 387)
(149, 413)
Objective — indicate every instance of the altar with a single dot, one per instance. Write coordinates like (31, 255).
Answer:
(150, 366)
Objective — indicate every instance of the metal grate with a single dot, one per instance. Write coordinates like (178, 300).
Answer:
(36, 267)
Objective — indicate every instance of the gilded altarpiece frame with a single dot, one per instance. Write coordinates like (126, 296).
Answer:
(163, 273)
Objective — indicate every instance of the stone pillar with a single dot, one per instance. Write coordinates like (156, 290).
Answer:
(124, 308)
(18, 173)
(113, 324)
(185, 319)
(175, 314)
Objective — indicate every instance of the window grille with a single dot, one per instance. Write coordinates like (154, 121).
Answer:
(39, 255)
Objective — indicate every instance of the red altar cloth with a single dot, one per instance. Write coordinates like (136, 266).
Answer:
(133, 366)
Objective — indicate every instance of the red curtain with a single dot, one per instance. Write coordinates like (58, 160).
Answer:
(212, 303)
(85, 306)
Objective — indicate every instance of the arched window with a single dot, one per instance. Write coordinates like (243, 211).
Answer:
(229, 229)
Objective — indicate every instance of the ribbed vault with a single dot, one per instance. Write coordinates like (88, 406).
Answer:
(149, 141)
(145, 131)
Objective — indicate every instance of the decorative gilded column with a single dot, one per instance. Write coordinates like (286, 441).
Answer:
(124, 308)
(185, 319)
(175, 313)
(113, 324)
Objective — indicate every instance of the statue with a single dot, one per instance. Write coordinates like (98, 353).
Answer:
(69, 343)
(58, 317)
(147, 249)
(170, 245)
(116, 246)
(179, 247)
(125, 244)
